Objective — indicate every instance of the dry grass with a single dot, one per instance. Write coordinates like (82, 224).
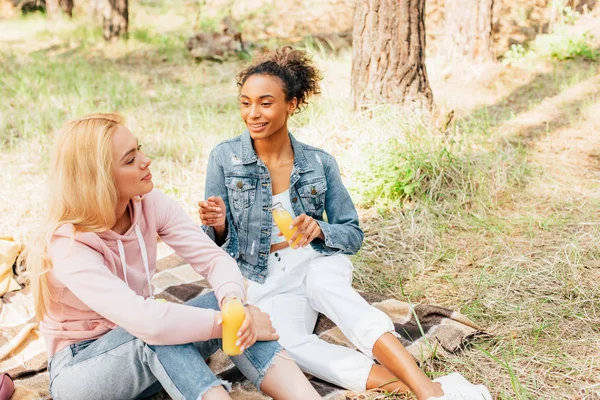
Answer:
(516, 248)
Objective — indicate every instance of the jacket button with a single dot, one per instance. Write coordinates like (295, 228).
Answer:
(240, 184)
(313, 191)
(294, 200)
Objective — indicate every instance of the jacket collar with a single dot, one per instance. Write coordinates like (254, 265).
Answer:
(300, 162)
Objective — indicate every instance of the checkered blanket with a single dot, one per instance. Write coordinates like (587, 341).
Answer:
(424, 330)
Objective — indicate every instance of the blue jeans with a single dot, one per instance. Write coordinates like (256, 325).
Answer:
(120, 366)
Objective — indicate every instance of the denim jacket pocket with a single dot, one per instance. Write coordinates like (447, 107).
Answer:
(312, 196)
(241, 191)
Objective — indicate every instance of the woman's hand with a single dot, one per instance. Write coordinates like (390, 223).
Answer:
(262, 322)
(212, 211)
(247, 333)
(308, 228)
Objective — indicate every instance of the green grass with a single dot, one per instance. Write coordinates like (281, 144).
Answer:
(560, 45)
(54, 90)
(439, 168)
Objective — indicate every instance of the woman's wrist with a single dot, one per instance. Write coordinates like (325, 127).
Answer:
(217, 330)
(221, 228)
(321, 235)
(221, 233)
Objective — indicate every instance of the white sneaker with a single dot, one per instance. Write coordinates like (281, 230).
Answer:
(456, 387)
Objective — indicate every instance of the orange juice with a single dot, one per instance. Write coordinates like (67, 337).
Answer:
(233, 314)
(284, 220)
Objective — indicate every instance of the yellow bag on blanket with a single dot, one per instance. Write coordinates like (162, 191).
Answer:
(9, 250)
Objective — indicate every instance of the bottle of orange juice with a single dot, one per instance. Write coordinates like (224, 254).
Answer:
(284, 220)
(233, 314)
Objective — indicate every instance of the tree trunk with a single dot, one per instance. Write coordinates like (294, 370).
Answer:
(67, 7)
(388, 55)
(94, 9)
(468, 31)
(53, 9)
(115, 19)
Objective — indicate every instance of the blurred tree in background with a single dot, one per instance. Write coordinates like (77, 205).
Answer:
(115, 18)
(468, 31)
(56, 8)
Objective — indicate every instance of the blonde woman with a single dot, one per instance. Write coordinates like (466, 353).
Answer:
(107, 337)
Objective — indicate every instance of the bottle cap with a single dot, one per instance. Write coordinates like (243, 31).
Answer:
(232, 296)
(277, 205)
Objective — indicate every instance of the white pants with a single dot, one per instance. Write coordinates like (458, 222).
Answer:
(303, 283)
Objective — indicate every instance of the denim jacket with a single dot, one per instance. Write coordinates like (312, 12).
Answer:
(237, 175)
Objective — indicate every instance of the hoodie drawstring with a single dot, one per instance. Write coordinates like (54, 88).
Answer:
(140, 239)
(123, 262)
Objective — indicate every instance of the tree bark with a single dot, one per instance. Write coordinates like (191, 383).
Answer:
(94, 9)
(468, 31)
(115, 19)
(67, 7)
(53, 9)
(388, 55)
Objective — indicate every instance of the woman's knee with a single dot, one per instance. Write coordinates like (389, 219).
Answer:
(332, 272)
(263, 351)
(206, 300)
(255, 361)
(317, 286)
(294, 343)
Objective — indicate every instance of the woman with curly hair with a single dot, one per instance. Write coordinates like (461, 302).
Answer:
(294, 280)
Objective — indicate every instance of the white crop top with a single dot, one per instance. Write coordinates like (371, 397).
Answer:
(284, 199)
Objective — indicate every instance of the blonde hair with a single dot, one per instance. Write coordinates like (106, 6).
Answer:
(82, 192)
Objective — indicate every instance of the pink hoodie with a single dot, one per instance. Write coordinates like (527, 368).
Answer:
(101, 281)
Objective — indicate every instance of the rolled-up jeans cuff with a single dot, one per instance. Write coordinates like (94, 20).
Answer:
(369, 337)
(218, 382)
(250, 366)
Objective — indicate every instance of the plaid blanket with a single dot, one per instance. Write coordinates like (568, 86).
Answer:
(424, 330)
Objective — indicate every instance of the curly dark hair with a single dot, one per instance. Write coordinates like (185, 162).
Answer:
(294, 68)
